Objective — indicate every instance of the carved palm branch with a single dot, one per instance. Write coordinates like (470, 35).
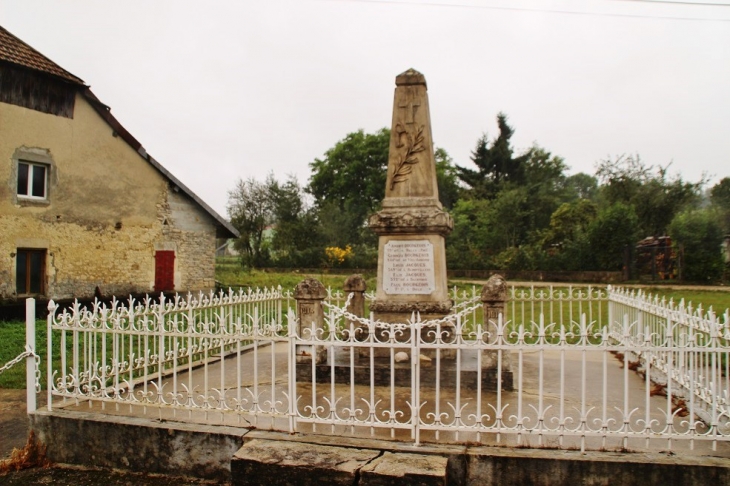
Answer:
(404, 166)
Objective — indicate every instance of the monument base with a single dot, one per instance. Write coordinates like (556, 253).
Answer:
(381, 373)
(428, 335)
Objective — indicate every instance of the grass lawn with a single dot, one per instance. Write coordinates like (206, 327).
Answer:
(230, 274)
(719, 300)
(12, 343)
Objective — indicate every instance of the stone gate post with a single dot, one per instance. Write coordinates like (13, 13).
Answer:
(355, 284)
(309, 294)
(494, 302)
(494, 297)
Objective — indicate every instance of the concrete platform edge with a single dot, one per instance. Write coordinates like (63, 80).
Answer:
(138, 443)
(206, 451)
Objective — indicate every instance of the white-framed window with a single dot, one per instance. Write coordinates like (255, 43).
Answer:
(32, 180)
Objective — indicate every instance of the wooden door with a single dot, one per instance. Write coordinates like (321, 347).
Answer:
(30, 272)
(164, 271)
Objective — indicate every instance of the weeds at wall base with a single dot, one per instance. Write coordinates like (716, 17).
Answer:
(33, 454)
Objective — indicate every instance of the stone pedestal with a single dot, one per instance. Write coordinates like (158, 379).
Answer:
(379, 372)
(339, 366)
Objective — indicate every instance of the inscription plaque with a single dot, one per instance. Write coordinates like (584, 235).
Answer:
(408, 267)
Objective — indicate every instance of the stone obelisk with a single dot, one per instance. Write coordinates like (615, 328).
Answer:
(412, 224)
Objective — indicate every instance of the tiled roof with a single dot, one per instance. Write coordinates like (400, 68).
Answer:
(16, 51)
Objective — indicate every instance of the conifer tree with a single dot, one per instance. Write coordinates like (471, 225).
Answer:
(496, 164)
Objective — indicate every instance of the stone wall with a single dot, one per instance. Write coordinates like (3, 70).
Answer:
(117, 261)
(191, 233)
(209, 451)
(79, 259)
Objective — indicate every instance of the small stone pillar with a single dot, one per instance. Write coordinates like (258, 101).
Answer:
(494, 297)
(355, 284)
(309, 294)
(494, 303)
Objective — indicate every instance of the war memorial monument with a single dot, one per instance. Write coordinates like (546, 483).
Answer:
(412, 290)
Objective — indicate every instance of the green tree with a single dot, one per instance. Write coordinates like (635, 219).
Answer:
(697, 236)
(483, 229)
(251, 209)
(496, 163)
(622, 177)
(544, 184)
(614, 228)
(564, 244)
(297, 237)
(446, 178)
(720, 193)
(569, 221)
(351, 176)
(720, 198)
(656, 197)
(348, 184)
(288, 209)
(338, 227)
(472, 243)
(513, 211)
(510, 210)
(582, 186)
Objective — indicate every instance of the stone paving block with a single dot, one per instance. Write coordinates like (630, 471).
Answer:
(275, 463)
(412, 469)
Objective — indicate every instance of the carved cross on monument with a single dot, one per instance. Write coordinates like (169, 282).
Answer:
(410, 107)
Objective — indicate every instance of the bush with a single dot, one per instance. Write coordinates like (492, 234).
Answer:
(363, 256)
(615, 227)
(697, 237)
(307, 258)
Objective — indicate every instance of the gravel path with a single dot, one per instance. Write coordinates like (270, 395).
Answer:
(13, 421)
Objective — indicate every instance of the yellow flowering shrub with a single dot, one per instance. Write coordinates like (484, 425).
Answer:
(336, 256)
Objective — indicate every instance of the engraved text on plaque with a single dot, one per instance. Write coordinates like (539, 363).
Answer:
(408, 267)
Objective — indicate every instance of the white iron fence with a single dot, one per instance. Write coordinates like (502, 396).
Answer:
(587, 368)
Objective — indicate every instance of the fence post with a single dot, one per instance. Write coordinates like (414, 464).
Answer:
(309, 294)
(609, 295)
(291, 320)
(30, 366)
(494, 303)
(356, 285)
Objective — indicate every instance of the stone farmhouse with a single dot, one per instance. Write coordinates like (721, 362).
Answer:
(84, 210)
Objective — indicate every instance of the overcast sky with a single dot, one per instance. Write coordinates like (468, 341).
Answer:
(220, 90)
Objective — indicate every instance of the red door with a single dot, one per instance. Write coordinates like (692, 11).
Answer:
(164, 271)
